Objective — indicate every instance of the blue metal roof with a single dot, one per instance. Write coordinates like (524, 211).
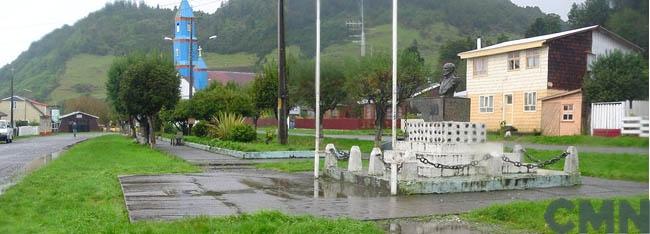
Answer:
(185, 10)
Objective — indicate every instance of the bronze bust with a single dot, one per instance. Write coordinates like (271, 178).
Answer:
(449, 81)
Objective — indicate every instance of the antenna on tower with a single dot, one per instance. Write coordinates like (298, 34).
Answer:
(358, 26)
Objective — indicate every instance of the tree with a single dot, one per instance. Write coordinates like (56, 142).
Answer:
(449, 54)
(332, 91)
(630, 24)
(548, 24)
(371, 80)
(147, 86)
(115, 75)
(617, 76)
(591, 12)
(264, 91)
(218, 98)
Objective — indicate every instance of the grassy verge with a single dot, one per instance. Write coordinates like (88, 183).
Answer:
(621, 141)
(530, 215)
(300, 165)
(80, 193)
(296, 143)
(611, 166)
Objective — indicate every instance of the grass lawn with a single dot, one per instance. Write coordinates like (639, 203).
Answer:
(79, 193)
(529, 215)
(226, 61)
(611, 166)
(621, 141)
(296, 143)
(300, 165)
(369, 132)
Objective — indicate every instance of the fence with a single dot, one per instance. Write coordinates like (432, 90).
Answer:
(28, 131)
(609, 118)
(343, 123)
(635, 125)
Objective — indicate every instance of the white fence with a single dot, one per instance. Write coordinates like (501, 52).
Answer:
(628, 116)
(607, 115)
(28, 131)
(635, 125)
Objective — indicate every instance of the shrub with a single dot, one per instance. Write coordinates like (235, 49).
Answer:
(243, 133)
(200, 129)
(270, 134)
(169, 128)
(222, 124)
(21, 123)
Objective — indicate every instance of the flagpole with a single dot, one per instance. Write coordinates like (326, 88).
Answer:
(317, 87)
(394, 100)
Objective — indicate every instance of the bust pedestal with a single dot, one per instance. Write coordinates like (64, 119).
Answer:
(436, 109)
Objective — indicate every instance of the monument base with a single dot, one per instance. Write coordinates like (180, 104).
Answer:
(437, 109)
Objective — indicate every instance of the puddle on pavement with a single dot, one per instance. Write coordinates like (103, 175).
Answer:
(454, 226)
(323, 188)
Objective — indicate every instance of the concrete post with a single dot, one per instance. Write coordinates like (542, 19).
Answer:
(354, 163)
(518, 152)
(330, 158)
(571, 162)
(375, 166)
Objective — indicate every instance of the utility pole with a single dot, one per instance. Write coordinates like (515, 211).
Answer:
(12, 99)
(317, 92)
(282, 85)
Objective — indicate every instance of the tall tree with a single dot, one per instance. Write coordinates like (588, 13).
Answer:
(147, 86)
(264, 91)
(548, 24)
(591, 12)
(332, 91)
(617, 77)
(371, 80)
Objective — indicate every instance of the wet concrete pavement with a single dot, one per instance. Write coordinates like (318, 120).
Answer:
(24, 154)
(238, 188)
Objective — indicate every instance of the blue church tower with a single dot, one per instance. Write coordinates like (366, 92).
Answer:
(184, 24)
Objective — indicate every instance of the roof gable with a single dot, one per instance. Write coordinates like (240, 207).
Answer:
(77, 112)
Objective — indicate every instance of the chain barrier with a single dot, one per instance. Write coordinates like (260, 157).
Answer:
(539, 164)
(473, 163)
(530, 157)
(387, 165)
(340, 154)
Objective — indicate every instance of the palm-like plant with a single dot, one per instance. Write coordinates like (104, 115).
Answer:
(222, 124)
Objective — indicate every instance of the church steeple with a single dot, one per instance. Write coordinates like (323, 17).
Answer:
(184, 25)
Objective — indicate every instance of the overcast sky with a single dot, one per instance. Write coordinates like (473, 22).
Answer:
(25, 21)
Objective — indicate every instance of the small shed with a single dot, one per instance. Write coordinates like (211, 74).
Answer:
(562, 114)
(85, 122)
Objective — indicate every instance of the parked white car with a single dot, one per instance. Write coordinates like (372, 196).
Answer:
(6, 132)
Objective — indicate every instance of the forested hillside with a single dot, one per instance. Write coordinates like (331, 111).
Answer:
(249, 26)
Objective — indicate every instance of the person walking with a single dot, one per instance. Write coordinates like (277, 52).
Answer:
(74, 128)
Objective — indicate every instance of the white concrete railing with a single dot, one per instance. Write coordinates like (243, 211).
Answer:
(635, 125)
(28, 131)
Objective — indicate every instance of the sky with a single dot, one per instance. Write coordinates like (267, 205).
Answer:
(26, 21)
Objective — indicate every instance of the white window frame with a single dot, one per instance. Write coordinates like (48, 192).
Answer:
(567, 112)
(15, 104)
(486, 104)
(189, 27)
(177, 52)
(178, 27)
(512, 99)
(530, 105)
(480, 63)
(514, 59)
(532, 55)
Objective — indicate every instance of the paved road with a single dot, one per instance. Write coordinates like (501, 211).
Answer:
(15, 156)
(581, 148)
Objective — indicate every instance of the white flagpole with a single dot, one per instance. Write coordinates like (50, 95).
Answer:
(394, 106)
(317, 86)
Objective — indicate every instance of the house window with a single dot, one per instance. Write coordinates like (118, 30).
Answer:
(15, 104)
(530, 100)
(508, 98)
(189, 27)
(486, 104)
(567, 112)
(513, 61)
(532, 59)
(480, 66)
(178, 27)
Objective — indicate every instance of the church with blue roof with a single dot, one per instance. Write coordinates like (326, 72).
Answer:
(185, 24)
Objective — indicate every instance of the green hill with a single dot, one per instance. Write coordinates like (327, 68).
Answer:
(71, 61)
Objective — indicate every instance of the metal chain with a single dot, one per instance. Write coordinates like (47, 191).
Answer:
(539, 164)
(530, 157)
(340, 155)
(387, 165)
(473, 163)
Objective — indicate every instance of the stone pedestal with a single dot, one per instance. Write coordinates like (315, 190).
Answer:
(439, 109)
(354, 162)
